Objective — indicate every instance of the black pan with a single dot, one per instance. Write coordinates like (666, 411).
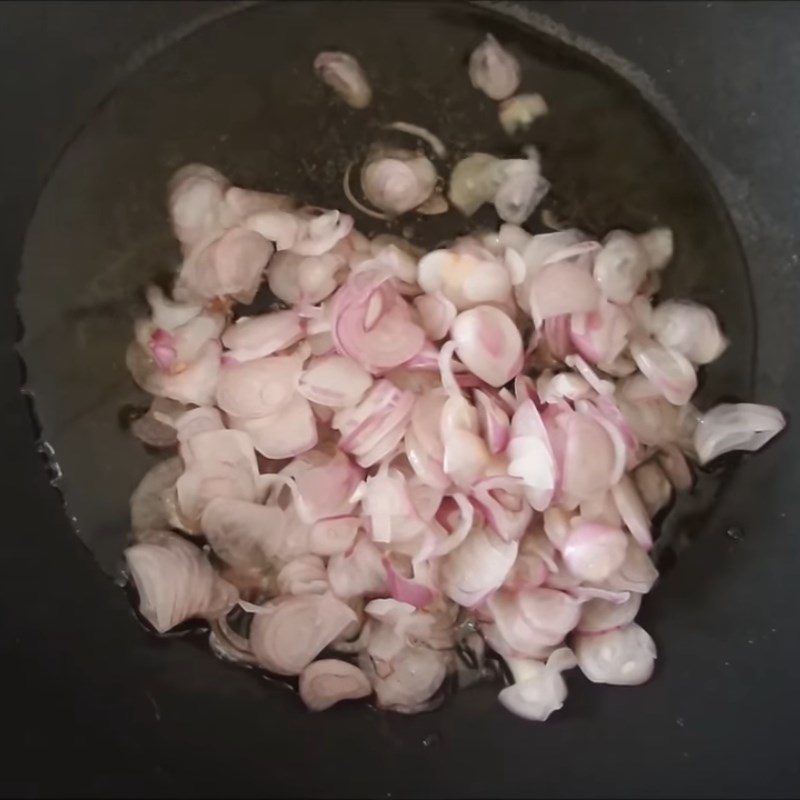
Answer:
(113, 709)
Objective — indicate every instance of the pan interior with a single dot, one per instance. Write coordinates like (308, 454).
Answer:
(240, 95)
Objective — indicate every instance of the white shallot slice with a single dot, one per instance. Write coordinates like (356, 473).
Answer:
(242, 203)
(488, 344)
(503, 503)
(530, 569)
(320, 231)
(676, 467)
(396, 181)
(495, 426)
(169, 314)
(328, 681)
(736, 426)
(518, 112)
(149, 510)
(515, 264)
(259, 387)
(283, 228)
(406, 590)
(562, 288)
(601, 335)
(455, 516)
(196, 193)
(556, 522)
(465, 453)
(283, 434)
(198, 420)
(600, 385)
(464, 278)
(194, 382)
(653, 485)
(409, 680)
(357, 571)
(531, 456)
(218, 464)
(389, 257)
(255, 337)
(334, 535)
(176, 349)
(511, 237)
(534, 619)
(689, 328)
(601, 509)
(229, 266)
(379, 420)
(325, 490)
(477, 567)
(538, 689)
(288, 633)
(243, 534)
(633, 512)
(335, 381)
(637, 387)
(345, 76)
(599, 615)
(493, 70)
(435, 204)
(156, 427)
(520, 189)
(561, 386)
(305, 574)
(473, 182)
(426, 422)
(535, 251)
(386, 502)
(176, 582)
(668, 370)
(593, 551)
(637, 573)
(436, 314)
(622, 656)
(651, 421)
(620, 266)
(299, 279)
(427, 468)
(659, 245)
(592, 459)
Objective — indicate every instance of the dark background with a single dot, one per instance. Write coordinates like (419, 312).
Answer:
(93, 706)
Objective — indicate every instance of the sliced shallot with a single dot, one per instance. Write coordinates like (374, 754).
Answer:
(488, 344)
(493, 70)
(344, 75)
(176, 582)
(329, 681)
(621, 656)
(287, 634)
(423, 453)
(518, 112)
(538, 689)
(736, 426)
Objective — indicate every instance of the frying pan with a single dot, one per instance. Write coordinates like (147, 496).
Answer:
(661, 113)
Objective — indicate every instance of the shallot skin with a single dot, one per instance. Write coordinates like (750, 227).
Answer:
(422, 454)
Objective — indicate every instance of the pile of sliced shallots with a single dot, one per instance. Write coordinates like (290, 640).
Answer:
(422, 454)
